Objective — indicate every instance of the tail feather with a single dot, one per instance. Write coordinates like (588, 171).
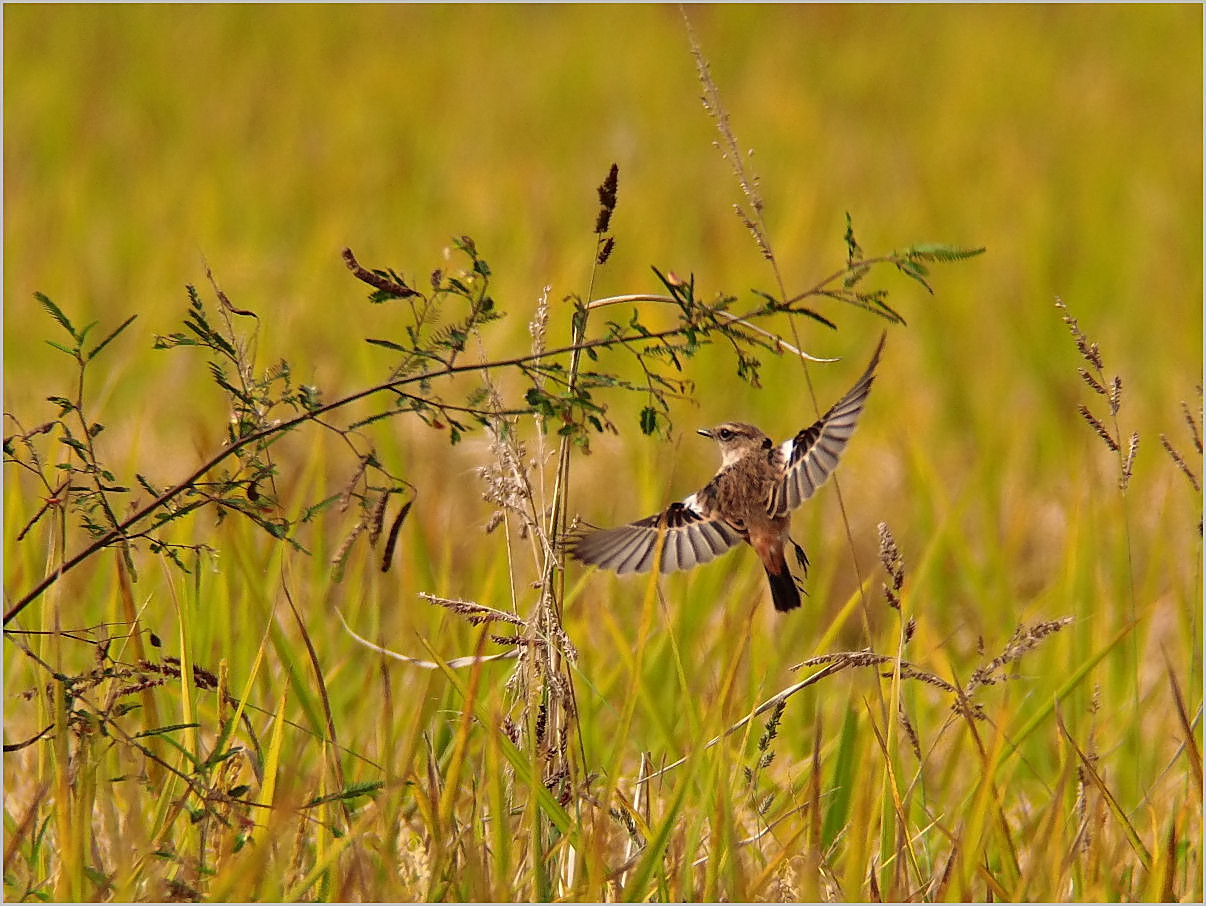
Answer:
(784, 593)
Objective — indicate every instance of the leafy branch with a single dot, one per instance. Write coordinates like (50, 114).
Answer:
(428, 352)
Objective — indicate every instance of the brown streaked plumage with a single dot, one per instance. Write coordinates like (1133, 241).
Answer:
(749, 499)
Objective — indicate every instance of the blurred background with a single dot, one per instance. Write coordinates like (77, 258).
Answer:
(143, 142)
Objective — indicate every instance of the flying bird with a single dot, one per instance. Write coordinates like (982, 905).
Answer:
(749, 500)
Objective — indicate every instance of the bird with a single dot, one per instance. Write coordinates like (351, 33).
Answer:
(749, 500)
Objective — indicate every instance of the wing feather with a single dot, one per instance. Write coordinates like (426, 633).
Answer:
(812, 455)
(691, 539)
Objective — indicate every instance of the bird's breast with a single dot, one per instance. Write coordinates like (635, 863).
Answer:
(742, 492)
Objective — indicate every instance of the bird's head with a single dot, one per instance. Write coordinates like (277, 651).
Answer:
(737, 440)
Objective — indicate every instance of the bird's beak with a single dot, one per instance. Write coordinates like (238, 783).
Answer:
(705, 432)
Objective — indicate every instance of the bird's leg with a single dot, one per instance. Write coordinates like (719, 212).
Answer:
(801, 557)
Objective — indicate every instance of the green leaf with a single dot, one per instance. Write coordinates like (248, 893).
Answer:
(218, 757)
(380, 296)
(648, 420)
(279, 530)
(65, 405)
(844, 780)
(771, 301)
(937, 251)
(855, 274)
(61, 348)
(367, 788)
(578, 323)
(915, 270)
(84, 333)
(874, 302)
(539, 401)
(219, 377)
(171, 341)
(57, 314)
(913, 267)
(163, 731)
(853, 251)
(309, 397)
(819, 318)
(109, 339)
(312, 511)
(76, 445)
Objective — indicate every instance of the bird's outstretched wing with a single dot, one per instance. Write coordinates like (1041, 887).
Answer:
(691, 539)
(813, 454)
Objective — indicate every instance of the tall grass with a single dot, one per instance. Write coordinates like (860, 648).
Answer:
(994, 686)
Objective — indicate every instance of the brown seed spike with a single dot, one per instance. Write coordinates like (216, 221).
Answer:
(1193, 426)
(1098, 427)
(1116, 395)
(1092, 382)
(376, 280)
(392, 540)
(1180, 461)
(607, 199)
(1093, 354)
(1125, 478)
(605, 251)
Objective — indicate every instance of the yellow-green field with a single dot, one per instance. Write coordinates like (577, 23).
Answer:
(1033, 728)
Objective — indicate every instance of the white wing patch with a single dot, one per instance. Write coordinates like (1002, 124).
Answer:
(813, 454)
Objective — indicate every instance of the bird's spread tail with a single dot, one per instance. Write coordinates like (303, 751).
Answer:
(784, 593)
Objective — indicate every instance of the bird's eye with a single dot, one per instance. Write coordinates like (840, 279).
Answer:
(725, 434)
